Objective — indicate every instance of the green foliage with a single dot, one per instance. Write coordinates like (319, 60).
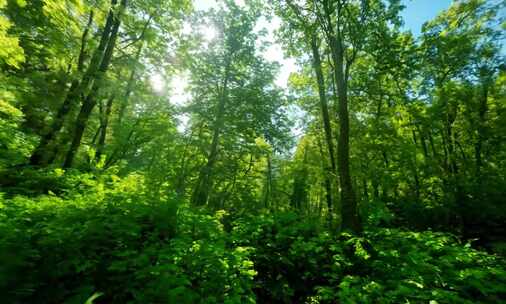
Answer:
(193, 192)
(11, 53)
(116, 241)
(419, 268)
(287, 254)
(112, 241)
(15, 146)
(298, 261)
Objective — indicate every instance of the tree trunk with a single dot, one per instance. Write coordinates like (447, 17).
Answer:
(180, 183)
(299, 191)
(415, 168)
(103, 128)
(432, 146)
(40, 154)
(131, 78)
(423, 142)
(317, 66)
(350, 216)
(323, 101)
(91, 99)
(349, 213)
(327, 181)
(375, 189)
(121, 149)
(365, 189)
(204, 181)
(482, 112)
(449, 118)
(268, 182)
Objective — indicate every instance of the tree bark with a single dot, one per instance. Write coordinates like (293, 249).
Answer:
(268, 182)
(423, 142)
(317, 67)
(103, 128)
(327, 181)
(131, 78)
(39, 156)
(415, 167)
(121, 149)
(350, 217)
(91, 99)
(349, 212)
(299, 191)
(432, 146)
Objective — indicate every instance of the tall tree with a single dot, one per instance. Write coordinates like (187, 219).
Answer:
(231, 81)
(306, 23)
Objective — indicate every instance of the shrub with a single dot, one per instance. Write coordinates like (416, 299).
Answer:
(423, 267)
(297, 261)
(113, 242)
(118, 244)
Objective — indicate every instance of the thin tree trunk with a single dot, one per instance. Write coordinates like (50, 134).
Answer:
(91, 99)
(445, 151)
(121, 148)
(204, 181)
(350, 216)
(317, 66)
(268, 182)
(365, 189)
(299, 191)
(423, 142)
(103, 128)
(323, 101)
(415, 168)
(131, 78)
(449, 119)
(432, 146)
(41, 153)
(327, 183)
(375, 190)
(181, 176)
(482, 112)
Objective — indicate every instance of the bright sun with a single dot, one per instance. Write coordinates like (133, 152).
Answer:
(178, 85)
(157, 82)
(209, 32)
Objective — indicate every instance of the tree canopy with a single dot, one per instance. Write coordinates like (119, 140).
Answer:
(149, 154)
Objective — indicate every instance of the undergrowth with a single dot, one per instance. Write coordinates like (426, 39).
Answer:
(112, 242)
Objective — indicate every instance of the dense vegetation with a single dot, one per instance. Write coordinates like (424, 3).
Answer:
(148, 154)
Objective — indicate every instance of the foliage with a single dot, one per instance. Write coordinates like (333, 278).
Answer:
(11, 53)
(419, 268)
(298, 261)
(114, 240)
(14, 144)
(149, 152)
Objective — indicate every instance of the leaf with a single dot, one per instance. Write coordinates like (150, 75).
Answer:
(93, 297)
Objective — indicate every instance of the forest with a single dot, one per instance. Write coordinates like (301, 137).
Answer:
(150, 153)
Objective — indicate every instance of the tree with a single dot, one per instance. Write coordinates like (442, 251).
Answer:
(307, 25)
(233, 83)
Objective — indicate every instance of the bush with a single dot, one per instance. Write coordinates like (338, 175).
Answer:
(114, 242)
(288, 254)
(118, 244)
(297, 261)
(420, 267)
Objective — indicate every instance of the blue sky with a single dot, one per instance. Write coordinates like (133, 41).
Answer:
(419, 11)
